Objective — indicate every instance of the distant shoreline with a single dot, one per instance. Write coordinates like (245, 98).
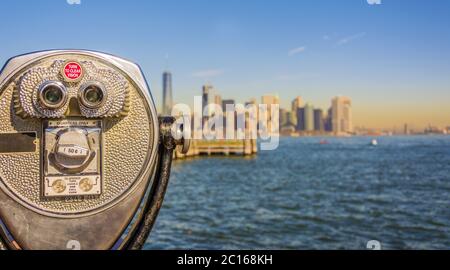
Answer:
(364, 135)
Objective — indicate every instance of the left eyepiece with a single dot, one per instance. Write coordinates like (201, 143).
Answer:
(52, 94)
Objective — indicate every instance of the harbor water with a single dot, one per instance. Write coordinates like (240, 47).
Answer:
(312, 193)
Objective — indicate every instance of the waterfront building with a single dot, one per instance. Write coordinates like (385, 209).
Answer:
(309, 117)
(329, 121)
(167, 93)
(296, 104)
(207, 98)
(342, 115)
(232, 104)
(318, 120)
(283, 117)
(301, 119)
(252, 101)
(218, 101)
(251, 126)
(289, 118)
(229, 102)
(207, 95)
(406, 130)
(270, 100)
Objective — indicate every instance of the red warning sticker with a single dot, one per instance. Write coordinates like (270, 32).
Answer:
(72, 71)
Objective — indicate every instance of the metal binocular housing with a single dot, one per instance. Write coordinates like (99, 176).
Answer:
(85, 159)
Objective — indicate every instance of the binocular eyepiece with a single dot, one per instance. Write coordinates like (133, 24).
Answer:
(84, 157)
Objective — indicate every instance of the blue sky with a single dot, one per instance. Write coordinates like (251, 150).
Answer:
(392, 59)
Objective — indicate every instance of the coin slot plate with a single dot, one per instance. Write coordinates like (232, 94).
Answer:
(59, 180)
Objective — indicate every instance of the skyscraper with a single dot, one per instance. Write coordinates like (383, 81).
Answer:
(297, 103)
(252, 101)
(207, 98)
(289, 119)
(167, 93)
(205, 95)
(269, 101)
(318, 120)
(342, 115)
(218, 100)
(284, 117)
(329, 120)
(309, 117)
(301, 119)
(251, 124)
(231, 104)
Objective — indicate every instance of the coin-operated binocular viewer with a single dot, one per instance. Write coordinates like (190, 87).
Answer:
(84, 159)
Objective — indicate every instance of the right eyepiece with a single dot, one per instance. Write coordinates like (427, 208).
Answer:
(52, 95)
(92, 95)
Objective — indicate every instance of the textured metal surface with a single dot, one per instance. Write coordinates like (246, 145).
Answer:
(26, 95)
(95, 232)
(128, 140)
(139, 234)
(130, 152)
(21, 142)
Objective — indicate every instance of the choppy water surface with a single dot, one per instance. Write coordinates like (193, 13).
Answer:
(306, 195)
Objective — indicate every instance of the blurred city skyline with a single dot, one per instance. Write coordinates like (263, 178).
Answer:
(392, 59)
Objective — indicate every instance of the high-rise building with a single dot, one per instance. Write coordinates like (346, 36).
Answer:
(207, 95)
(289, 119)
(318, 120)
(329, 121)
(252, 101)
(297, 103)
(251, 119)
(284, 117)
(229, 103)
(270, 100)
(309, 117)
(342, 115)
(167, 93)
(406, 129)
(301, 119)
(218, 100)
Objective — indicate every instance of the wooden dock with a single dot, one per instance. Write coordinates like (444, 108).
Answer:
(220, 147)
